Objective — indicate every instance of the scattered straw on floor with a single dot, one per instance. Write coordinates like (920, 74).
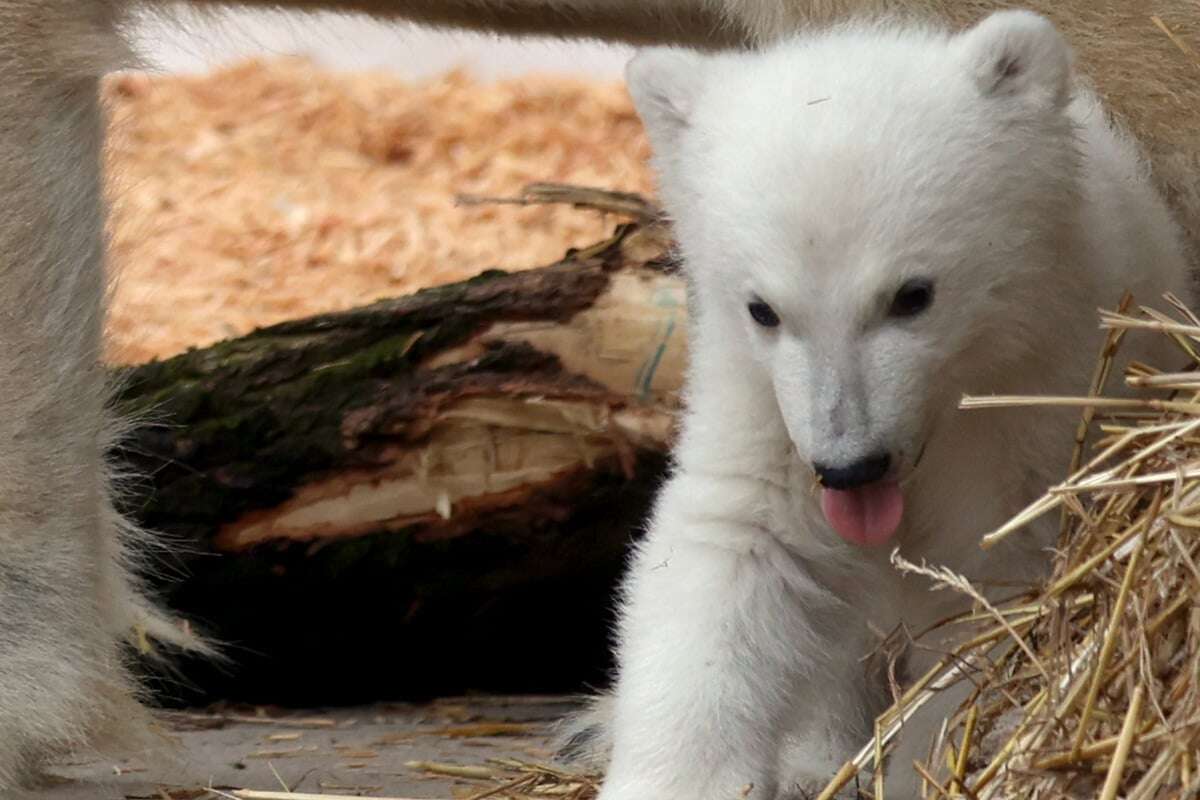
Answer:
(1095, 689)
(1090, 686)
(272, 190)
(497, 779)
(269, 191)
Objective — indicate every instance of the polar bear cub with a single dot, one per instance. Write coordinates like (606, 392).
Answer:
(874, 221)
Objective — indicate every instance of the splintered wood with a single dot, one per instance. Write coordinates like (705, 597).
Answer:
(274, 190)
(270, 191)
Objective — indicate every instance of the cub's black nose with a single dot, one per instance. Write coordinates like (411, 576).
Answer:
(855, 474)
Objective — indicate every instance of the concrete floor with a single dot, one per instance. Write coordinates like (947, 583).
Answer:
(358, 751)
(364, 751)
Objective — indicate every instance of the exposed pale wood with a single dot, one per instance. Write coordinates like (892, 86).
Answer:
(471, 457)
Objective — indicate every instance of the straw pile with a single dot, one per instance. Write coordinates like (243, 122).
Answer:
(1091, 686)
(273, 190)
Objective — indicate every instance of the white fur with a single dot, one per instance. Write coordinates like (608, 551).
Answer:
(819, 174)
(69, 594)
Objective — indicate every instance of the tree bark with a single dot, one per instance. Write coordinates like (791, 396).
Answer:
(364, 503)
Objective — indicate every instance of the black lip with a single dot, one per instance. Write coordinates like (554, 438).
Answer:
(920, 454)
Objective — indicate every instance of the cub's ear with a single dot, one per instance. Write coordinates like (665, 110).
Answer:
(664, 83)
(1019, 54)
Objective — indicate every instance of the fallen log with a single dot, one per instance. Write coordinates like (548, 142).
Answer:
(427, 494)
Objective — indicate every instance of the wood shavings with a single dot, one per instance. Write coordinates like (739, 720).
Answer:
(271, 190)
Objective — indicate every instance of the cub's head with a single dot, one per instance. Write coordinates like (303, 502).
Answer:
(867, 217)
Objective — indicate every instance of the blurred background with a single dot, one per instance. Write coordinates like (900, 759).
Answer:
(197, 42)
(266, 168)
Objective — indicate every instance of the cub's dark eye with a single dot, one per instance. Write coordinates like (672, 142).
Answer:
(762, 313)
(912, 298)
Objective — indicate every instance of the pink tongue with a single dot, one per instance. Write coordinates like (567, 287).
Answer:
(868, 515)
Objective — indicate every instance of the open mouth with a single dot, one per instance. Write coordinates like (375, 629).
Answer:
(868, 515)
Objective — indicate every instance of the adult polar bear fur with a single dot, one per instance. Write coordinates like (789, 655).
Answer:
(874, 221)
(1144, 76)
(69, 596)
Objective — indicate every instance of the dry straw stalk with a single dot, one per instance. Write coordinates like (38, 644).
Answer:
(1088, 686)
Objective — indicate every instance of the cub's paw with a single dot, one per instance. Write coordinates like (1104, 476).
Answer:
(584, 737)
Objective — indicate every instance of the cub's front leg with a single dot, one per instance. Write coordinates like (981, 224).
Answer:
(720, 657)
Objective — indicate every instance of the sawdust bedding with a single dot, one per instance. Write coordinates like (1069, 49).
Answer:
(273, 190)
(270, 190)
